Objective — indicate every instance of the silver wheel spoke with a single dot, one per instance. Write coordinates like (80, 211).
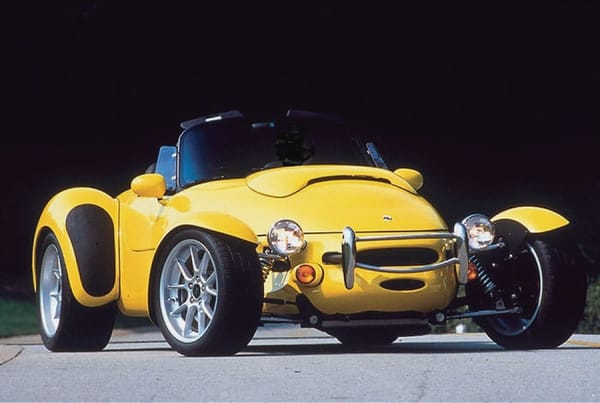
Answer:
(202, 322)
(193, 256)
(57, 297)
(189, 319)
(207, 310)
(182, 269)
(178, 310)
(211, 284)
(204, 262)
(188, 291)
(50, 289)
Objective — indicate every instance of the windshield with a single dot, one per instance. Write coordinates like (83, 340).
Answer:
(235, 148)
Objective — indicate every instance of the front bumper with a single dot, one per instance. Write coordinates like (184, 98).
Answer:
(353, 282)
(349, 263)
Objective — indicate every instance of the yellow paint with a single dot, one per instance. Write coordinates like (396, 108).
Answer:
(282, 182)
(149, 185)
(331, 295)
(535, 219)
(371, 200)
(412, 176)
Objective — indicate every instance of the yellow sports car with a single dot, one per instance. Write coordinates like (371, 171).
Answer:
(293, 219)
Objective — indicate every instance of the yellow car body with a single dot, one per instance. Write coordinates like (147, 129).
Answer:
(241, 208)
(375, 252)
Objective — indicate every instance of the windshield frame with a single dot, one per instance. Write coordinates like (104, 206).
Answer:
(333, 142)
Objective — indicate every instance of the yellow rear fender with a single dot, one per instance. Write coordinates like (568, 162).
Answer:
(83, 221)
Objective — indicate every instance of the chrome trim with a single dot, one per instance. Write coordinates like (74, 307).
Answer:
(349, 263)
(462, 243)
(403, 269)
(348, 256)
(493, 246)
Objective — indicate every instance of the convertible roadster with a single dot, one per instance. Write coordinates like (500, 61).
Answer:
(293, 219)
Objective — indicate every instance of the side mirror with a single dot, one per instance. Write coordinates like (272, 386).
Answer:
(149, 185)
(412, 176)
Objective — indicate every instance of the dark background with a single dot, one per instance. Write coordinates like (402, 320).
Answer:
(496, 105)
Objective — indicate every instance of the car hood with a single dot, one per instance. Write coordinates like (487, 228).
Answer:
(283, 182)
(322, 199)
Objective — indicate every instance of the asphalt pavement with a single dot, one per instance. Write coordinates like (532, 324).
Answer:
(11, 347)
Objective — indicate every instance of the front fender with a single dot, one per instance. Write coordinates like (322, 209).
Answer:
(534, 219)
(513, 225)
(83, 221)
(212, 221)
(223, 223)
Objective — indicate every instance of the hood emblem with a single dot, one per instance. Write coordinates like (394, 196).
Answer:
(387, 218)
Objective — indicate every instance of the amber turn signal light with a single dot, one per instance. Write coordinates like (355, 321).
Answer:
(309, 274)
(471, 272)
(305, 274)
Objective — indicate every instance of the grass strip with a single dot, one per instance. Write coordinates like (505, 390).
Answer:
(17, 317)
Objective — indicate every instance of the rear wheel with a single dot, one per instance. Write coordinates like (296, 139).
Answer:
(65, 324)
(208, 293)
(550, 291)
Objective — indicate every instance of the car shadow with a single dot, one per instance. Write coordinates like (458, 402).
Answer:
(398, 347)
(278, 345)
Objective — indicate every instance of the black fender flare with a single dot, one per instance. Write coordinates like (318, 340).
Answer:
(84, 221)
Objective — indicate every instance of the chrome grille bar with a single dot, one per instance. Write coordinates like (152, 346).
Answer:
(349, 263)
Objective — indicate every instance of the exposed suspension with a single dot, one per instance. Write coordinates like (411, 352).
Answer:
(266, 267)
(487, 284)
(270, 262)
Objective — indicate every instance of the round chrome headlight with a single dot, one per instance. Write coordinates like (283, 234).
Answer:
(285, 237)
(480, 231)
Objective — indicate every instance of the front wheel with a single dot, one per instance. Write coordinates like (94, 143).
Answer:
(550, 291)
(208, 293)
(65, 324)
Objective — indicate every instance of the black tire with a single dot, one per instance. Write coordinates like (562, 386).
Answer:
(552, 292)
(364, 336)
(215, 311)
(65, 324)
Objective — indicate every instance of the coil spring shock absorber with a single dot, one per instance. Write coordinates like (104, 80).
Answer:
(266, 266)
(270, 262)
(486, 283)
